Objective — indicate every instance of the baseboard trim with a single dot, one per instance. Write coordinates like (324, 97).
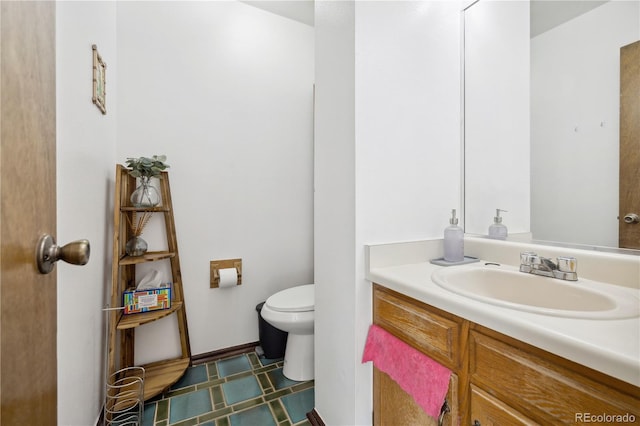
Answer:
(314, 418)
(223, 353)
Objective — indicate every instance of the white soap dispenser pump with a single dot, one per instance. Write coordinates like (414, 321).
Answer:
(453, 240)
(497, 230)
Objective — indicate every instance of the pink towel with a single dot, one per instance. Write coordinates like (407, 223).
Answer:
(417, 374)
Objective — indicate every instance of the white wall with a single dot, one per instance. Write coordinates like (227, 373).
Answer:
(386, 162)
(225, 90)
(227, 95)
(408, 118)
(575, 90)
(496, 85)
(387, 166)
(336, 309)
(86, 147)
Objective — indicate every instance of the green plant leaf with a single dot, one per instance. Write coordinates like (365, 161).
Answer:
(144, 166)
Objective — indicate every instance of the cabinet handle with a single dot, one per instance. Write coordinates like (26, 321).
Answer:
(444, 410)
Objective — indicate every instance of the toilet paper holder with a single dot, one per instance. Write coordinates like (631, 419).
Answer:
(216, 265)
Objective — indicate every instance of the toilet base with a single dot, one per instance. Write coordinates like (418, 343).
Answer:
(298, 357)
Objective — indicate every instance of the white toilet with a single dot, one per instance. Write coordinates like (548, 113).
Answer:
(291, 310)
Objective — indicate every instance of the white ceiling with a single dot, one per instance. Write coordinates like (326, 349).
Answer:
(299, 10)
(545, 14)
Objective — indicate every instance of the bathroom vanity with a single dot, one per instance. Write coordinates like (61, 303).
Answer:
(509, 367)
(496, 379)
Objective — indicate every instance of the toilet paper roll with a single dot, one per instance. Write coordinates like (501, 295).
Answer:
(228, 277)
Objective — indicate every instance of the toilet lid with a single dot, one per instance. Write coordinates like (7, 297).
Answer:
(294, 299)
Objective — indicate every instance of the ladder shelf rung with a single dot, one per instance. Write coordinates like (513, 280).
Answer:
(136, 320)
(150, 256)
(160, 209)
(159, 376)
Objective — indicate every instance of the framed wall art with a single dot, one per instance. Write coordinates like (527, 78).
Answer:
(99, 80)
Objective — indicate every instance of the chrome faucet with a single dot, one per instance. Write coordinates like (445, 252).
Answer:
(564, 268)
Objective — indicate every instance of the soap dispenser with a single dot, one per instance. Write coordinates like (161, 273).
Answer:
(453, 240)
(497, 230)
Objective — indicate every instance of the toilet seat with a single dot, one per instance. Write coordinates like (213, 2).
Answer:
(294, 299)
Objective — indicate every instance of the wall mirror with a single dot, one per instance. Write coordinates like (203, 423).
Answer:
(541, 116)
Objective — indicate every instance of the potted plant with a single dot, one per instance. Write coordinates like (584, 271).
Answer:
(146, 168)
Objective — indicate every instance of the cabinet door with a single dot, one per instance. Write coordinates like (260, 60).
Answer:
(487, 410)
(425, 328)
(394, 407)
(540, 386)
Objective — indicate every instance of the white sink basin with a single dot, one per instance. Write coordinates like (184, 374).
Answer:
(504, 285)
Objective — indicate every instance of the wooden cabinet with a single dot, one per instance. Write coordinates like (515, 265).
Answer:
(548, 388)
(487, 410)
(121, 336)
(393, 406)
(433, 332)
(498, 380)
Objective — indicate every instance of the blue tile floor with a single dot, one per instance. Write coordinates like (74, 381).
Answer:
(243, 390)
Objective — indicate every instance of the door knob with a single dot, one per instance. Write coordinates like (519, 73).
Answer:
(48, 253)
(632, 218)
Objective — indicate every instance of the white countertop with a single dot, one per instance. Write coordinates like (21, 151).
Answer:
(611, 346)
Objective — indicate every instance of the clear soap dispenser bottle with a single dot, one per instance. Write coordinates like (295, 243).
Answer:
(497, 230)
(453, 240)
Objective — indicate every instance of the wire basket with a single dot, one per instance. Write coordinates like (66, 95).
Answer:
(124, 403)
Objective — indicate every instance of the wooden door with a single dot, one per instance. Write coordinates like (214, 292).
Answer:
(28, 379)
(629, 232)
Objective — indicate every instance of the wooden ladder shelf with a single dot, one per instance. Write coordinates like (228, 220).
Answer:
(159, 375)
